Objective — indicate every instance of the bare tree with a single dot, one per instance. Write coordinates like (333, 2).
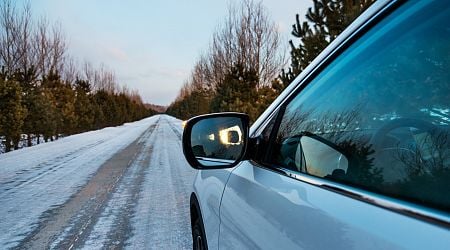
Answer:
(24, 40)
(70, 70)
(49, 48)
(107, 79)
(88, 73)
(101, 78)
(135, 97)
(15, 36)
(41, 47)
(249, 38)
(57, 48)
(7, 43)
(26, 45)
(184, 91)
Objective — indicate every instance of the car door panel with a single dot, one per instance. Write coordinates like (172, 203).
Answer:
(209, 186)
(263, 209)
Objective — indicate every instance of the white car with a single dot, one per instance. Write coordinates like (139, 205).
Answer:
(354, 154)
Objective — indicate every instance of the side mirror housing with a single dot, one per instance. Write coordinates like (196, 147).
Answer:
(216, 141)
(322, 158)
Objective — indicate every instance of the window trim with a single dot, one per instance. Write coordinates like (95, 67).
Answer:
(413, 210)
(403, 207)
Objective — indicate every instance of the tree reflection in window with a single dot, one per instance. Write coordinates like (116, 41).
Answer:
(385, 103)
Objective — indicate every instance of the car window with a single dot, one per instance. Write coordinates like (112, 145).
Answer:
(382, 108)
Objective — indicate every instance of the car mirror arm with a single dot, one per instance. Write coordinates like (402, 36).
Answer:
(253, 148)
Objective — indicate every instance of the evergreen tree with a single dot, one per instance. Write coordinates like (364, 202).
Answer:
(26, 79)
(325, 21)
(237, 92)
(12, 113)
(63, 98)
(45, 108)
(84, 108)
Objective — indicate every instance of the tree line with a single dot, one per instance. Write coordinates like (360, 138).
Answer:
(244, 68)
(45, 93)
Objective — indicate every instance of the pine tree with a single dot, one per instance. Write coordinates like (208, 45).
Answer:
(12, 113)
(237, 92)
(84, 109)
(45, 108)
(325, 21)
(26, 79)
(63, 98)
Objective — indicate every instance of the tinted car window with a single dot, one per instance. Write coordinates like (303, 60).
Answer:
(384, 105)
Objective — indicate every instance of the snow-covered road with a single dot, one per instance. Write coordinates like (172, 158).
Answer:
(121, 187)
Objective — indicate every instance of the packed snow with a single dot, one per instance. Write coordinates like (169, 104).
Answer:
(149, 207)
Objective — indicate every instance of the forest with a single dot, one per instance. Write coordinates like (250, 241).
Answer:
(45, 93)
(244, 68)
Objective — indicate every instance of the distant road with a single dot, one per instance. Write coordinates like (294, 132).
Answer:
(122, 187)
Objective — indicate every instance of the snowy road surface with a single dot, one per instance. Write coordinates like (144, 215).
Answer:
(121, 187)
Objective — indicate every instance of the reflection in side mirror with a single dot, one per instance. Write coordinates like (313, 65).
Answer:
(322, 159)
(215, 141)
(217, 138)
(231, 136)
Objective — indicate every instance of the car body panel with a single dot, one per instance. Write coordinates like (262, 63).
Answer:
(208, 188)
(257, 211)
(251, 206)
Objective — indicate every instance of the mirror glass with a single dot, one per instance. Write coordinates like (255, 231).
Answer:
(321, 159)
(217, 140)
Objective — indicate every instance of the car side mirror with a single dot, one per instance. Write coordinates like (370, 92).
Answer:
(216, 141)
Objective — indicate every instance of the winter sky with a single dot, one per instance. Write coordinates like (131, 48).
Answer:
(151, 45)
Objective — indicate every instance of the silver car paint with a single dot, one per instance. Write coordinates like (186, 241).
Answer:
(257, 212)
(208, 187)
(262, 209)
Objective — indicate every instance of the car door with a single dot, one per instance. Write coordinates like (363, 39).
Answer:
(358, 156)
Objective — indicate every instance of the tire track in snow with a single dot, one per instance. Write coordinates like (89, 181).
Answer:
(161, 219)
(77, 217)
(175, 130)
(113, 226)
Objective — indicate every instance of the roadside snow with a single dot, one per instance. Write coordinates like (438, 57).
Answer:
(36, 179)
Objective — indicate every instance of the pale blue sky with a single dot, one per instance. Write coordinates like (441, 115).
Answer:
(151, 45)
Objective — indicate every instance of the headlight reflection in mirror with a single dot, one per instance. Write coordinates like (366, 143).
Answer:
(231, 136)
(220, 138)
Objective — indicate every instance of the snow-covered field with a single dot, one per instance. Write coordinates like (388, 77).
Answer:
(48, 187)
